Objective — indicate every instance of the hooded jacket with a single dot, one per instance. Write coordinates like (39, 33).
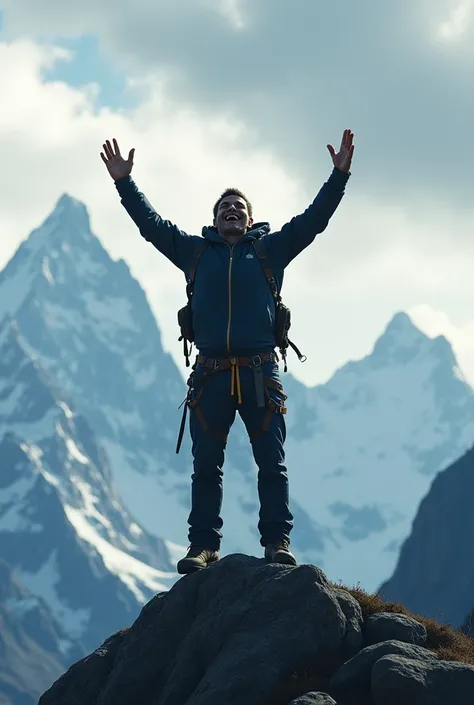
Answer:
(233, 307)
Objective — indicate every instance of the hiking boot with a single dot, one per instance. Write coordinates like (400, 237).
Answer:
(279, 552)
(196, 558)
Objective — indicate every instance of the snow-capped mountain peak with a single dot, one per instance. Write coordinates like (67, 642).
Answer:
(68, 222)
(68, 206)
(402, 342)
(60, 248)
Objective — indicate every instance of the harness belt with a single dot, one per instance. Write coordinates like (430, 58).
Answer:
(262, 382)
(234, 363)
(224, 363)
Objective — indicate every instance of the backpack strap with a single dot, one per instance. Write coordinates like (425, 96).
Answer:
(261, 252)
(198, 252)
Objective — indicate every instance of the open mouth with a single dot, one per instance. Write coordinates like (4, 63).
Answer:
(231, 217)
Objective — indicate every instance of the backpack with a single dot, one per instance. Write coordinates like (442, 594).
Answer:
(282, 312)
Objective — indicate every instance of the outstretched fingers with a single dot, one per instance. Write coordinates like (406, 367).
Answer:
(117, 148)
(107, 149)
(111, 152)
(110, 148)
(107, 154)
(347, 139)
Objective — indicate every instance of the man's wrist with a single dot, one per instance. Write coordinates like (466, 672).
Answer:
(338, 178)
(124, 184)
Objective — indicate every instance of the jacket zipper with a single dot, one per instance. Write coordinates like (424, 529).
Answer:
(231, 247)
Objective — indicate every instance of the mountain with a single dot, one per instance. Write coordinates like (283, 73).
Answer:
(434, 575)
(365, 446)
(32, 643)
(362, 449)
(63, 529)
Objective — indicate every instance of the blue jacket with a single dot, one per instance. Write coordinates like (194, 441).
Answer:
(233, 308)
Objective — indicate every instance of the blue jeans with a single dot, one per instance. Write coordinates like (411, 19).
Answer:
(212, 413)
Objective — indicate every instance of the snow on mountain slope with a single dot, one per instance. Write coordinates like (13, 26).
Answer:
(365, 446)
(62, 526)
(34, 616)
(33, 645)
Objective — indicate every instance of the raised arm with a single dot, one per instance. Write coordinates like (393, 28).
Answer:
(172, 242)
(301, 230)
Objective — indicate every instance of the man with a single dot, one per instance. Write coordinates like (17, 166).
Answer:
(233, 317)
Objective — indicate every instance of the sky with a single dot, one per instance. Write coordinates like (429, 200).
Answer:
(248, 93)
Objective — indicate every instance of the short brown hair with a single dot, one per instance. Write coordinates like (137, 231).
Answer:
(232, 192)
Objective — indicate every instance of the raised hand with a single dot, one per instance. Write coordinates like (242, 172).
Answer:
(342, 159)
(117, 166)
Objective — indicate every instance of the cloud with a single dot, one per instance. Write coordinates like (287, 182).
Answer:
(298, 73)
(458, 22)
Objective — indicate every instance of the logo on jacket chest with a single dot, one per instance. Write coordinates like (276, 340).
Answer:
(249, 256)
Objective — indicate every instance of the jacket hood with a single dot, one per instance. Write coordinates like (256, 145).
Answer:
(257, 231)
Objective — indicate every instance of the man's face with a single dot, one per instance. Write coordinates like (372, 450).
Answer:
(232, 216)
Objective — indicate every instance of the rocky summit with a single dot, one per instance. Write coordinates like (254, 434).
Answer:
(247, 632)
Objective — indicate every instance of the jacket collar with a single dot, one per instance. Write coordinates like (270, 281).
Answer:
(256, 232)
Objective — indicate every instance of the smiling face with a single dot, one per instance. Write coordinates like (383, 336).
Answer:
(232, 217)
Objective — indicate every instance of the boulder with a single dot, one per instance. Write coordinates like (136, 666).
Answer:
(386, 626)
(396, 679)
(354, 621)
(352, 679)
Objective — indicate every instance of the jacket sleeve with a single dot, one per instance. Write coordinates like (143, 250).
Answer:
(301, 230)
(172, 242)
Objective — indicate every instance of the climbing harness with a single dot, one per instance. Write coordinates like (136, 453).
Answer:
(262, 385)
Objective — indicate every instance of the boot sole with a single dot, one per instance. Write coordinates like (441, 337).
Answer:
(282, 560)
(192, 568)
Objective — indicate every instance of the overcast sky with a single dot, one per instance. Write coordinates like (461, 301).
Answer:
(248, 93)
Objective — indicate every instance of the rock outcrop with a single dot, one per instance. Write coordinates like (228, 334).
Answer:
(244, 631)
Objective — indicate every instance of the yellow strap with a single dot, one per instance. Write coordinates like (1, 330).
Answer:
(235, 379)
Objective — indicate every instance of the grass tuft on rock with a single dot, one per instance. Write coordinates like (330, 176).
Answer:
(447, 643)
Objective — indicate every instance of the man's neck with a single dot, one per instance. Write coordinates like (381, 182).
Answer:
(232, 239)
